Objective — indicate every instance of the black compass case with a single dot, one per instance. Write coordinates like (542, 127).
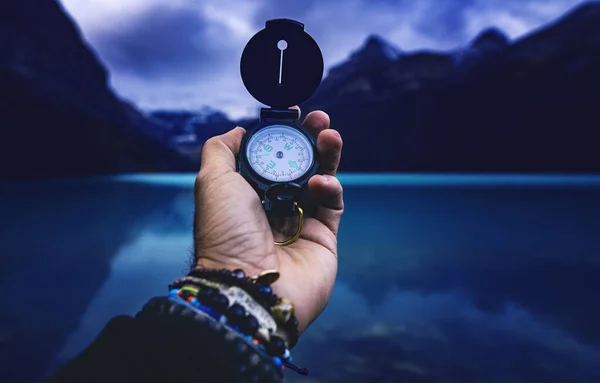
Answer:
(280, 88)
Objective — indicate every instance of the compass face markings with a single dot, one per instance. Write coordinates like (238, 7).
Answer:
(280, 153)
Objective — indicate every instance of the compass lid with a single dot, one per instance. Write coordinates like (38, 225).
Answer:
(281, 65)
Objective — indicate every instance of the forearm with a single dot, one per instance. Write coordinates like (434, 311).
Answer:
(168, 342)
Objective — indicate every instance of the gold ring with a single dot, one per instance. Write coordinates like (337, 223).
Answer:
(300, 225)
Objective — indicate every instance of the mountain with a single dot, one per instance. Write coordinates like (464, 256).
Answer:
(188, 130)
(58, 115)
(495, 106)
(201, 124)
(374, 53)
(489, 41)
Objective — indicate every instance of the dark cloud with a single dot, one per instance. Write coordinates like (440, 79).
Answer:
(161, 41)
(274, 9)
(183, 54)
(444, 19)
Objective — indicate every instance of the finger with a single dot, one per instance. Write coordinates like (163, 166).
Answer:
(298, 109)
(219, 152)
(329, 192)
(329, 145)
(316, 122)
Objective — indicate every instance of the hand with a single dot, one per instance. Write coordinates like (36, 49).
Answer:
(231, 228)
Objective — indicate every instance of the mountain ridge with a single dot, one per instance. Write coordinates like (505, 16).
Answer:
(495, 105)
(61, 118)
(490, 79)
(503, 112)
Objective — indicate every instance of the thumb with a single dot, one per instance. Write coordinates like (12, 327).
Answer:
(219, 152)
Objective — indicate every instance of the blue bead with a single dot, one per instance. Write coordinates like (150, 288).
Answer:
(220, 303)
(249, 338)
(195, 302)
(173, 292)
(278, 361)
(238, 273)
(236, 313)
(266, 289)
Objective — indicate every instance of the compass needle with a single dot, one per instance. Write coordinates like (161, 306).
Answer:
(282, 45)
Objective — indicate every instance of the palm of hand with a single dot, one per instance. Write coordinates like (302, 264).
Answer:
(232, 230)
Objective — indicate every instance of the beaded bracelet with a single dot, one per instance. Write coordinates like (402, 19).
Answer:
(281, 309)
(242, 323)
(212, 291)
(258, 288)
(208, 297)
(237, 319)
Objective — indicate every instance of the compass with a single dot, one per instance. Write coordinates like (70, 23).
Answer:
(279, 153)
(281, 66)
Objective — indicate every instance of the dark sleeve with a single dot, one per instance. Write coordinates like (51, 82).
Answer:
(168, 342)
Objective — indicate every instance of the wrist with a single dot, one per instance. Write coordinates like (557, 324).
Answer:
(255, 293)
(207, 263)
(213, 260)
(247, 304)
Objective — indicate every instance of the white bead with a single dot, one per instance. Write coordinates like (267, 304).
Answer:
(264, 334)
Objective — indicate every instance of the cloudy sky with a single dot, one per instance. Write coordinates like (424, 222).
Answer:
(184, 54)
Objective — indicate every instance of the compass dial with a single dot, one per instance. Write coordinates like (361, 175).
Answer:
(280, 153)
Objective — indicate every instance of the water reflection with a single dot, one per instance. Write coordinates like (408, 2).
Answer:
(436, 284)
(57, 242)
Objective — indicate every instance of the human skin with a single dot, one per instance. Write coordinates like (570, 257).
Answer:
(231, 229)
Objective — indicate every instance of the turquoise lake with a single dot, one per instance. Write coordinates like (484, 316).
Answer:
(441, 278)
